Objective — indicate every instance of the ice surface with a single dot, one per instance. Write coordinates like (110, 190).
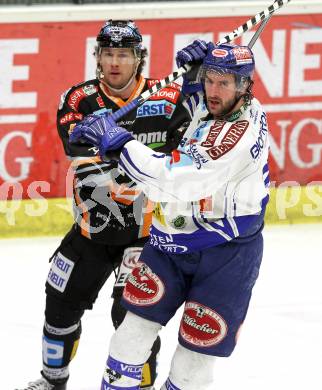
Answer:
(280, 346)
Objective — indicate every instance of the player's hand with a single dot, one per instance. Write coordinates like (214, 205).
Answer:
(101, 131)
(192, 54)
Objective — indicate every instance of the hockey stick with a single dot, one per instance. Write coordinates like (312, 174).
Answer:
(266, 13)
(259, 30)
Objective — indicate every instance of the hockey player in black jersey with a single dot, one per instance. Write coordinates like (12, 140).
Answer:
(112, 219)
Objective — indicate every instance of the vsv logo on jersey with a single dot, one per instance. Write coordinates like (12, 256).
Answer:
(160, 108)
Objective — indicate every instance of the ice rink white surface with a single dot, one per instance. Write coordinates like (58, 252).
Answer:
(280, 347)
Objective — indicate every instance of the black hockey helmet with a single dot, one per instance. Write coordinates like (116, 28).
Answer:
(119, 34)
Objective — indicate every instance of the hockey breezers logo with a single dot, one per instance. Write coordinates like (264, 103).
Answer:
(144, 288)
(202, 326)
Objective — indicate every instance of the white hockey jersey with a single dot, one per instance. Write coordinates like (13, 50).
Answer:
(213, 188)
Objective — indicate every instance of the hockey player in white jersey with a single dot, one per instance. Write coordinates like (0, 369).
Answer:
(206, 245)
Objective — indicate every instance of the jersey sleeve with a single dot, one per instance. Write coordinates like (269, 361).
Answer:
(191, 173)
(68, 115)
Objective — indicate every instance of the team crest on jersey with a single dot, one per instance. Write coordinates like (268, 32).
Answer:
(159, 108)
(202, 326)
(143, 288)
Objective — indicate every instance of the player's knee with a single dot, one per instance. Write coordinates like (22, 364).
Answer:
(61, 314)
(132, 342)
(191, 370)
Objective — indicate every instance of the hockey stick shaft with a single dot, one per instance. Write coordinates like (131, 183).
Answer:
(259, 31)
(117, 115)
(253, 21)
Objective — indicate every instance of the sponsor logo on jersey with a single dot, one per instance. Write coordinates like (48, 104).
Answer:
(130, 259)
(125, 123)
(165, 244)
(70, 117)
(60, 271)
(155, 137)
(79, 94)
(160, 108)
(198, 158)
(171, 85)
(257, 148)
(214, 131)
(202, 326)
(100, 102)
(144, 288)
(230, 140)
(167, 94)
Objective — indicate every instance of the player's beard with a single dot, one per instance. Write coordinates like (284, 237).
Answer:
(226, 108)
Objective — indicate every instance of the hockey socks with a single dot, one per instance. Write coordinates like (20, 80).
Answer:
(121, 376)
(169, 386)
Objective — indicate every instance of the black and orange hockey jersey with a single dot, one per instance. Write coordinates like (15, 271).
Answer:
(107, 207)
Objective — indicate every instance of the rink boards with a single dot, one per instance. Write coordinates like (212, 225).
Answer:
(35, 70)
(19, 218)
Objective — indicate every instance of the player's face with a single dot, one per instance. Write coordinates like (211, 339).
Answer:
(118, 66)
(220, 93)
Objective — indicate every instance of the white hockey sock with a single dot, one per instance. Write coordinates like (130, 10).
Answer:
(190, 371)
(130, 347)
